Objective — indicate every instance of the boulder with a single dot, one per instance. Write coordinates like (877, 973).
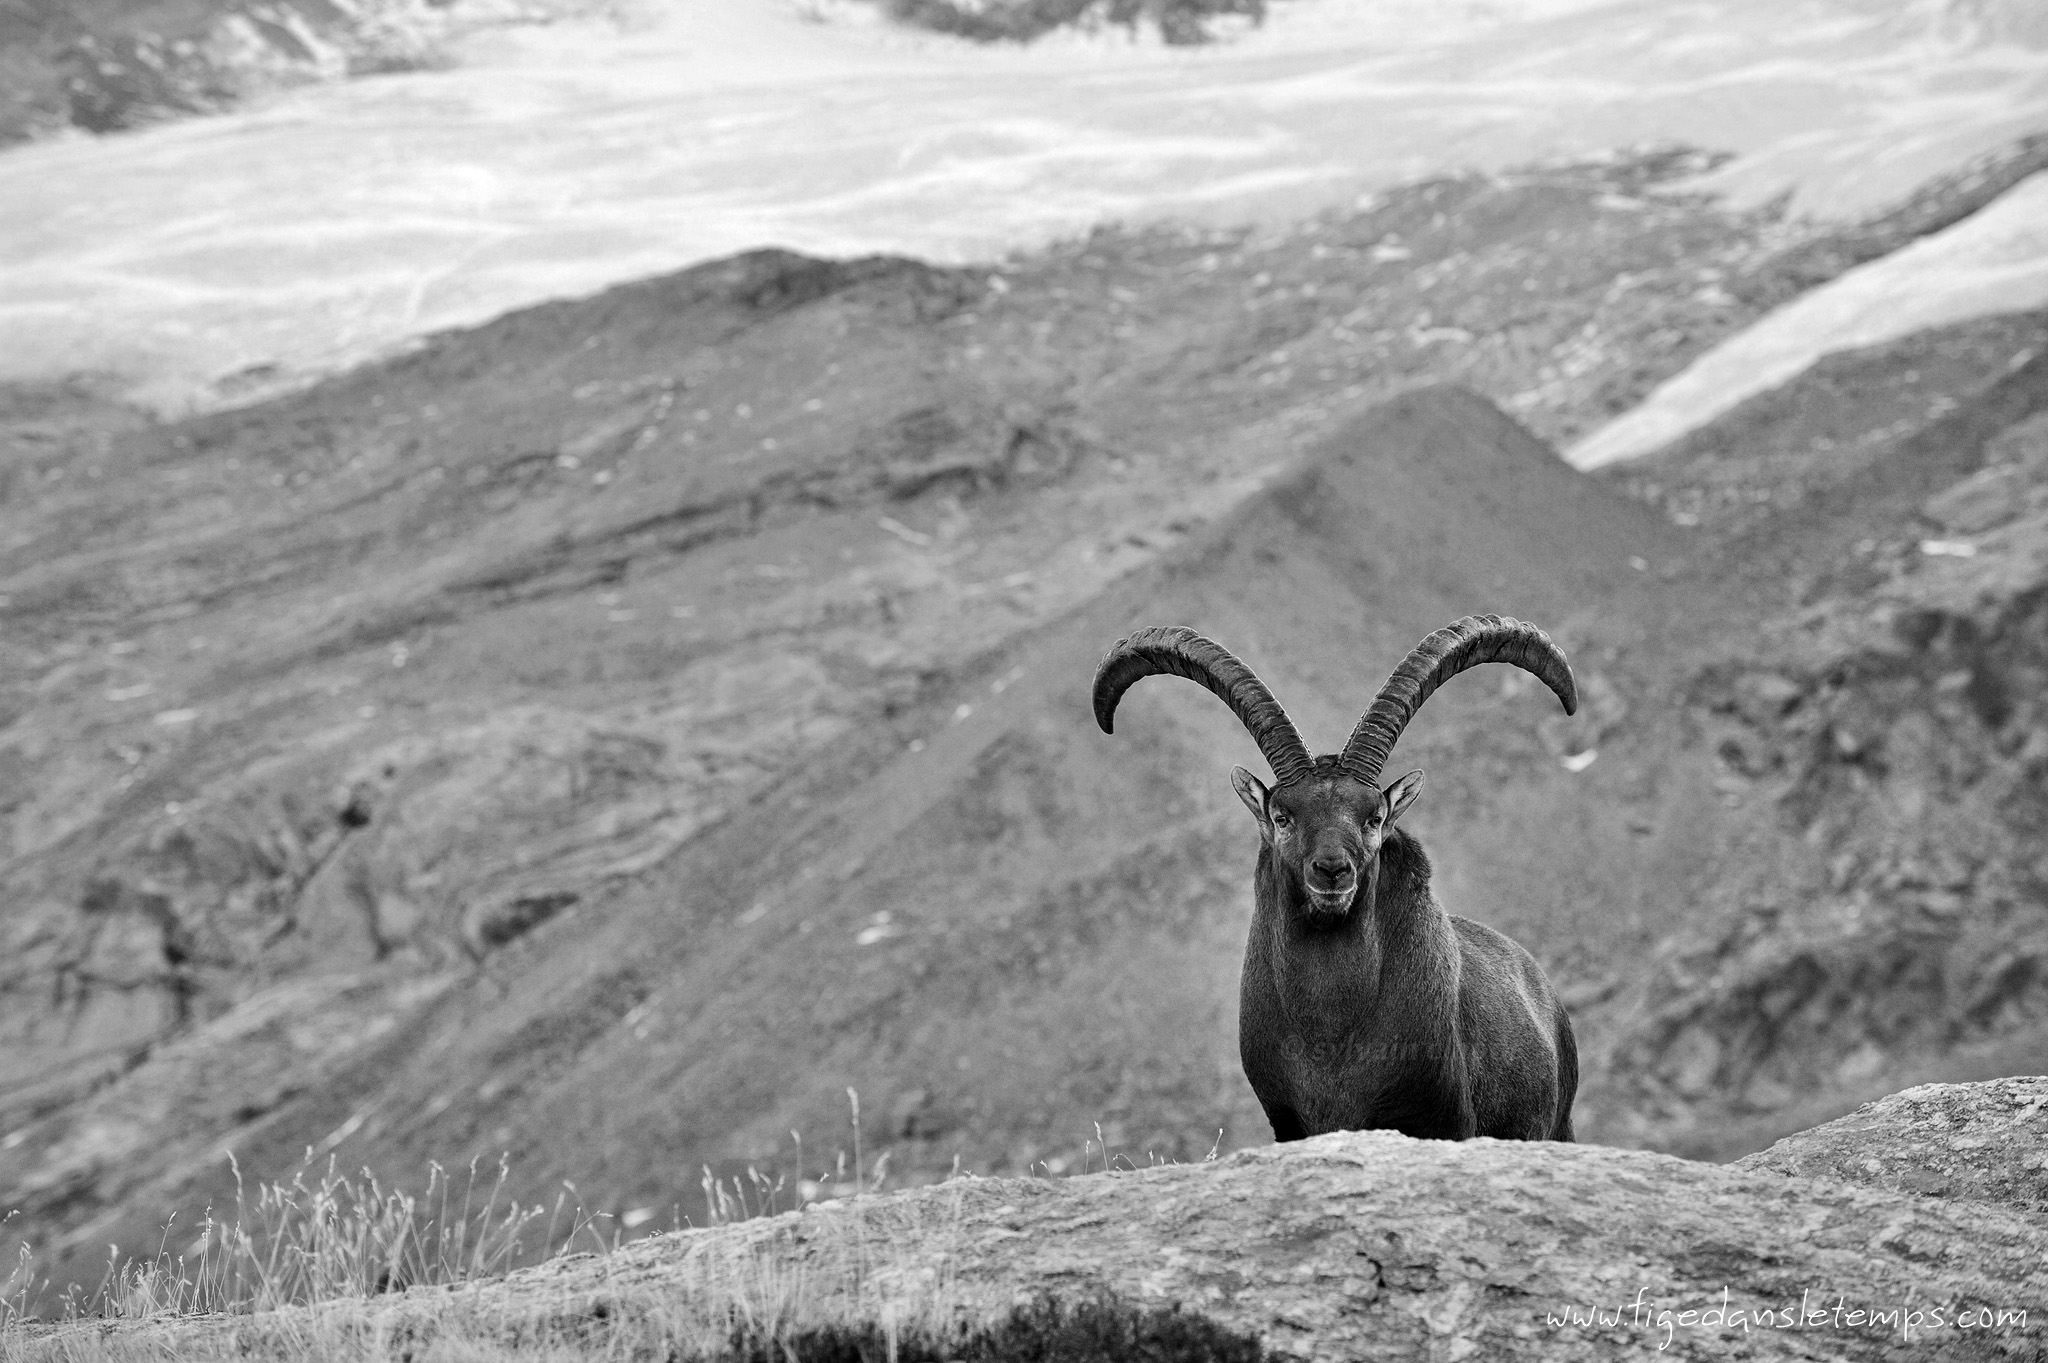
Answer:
(1968, 1142)
(1987, 498)
(1351, 1246)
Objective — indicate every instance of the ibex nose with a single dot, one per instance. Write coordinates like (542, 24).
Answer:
(1330, 870)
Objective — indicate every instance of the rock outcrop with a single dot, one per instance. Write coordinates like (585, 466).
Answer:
(1370, 1245)
(1351, 1246)
(1983, 1142)
(104, 67)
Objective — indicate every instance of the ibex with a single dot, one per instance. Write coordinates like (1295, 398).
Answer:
(1363, 1003)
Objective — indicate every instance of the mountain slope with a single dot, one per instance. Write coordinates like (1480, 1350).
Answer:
(938, 927)
(1879, 520)
(517, 745)
(108, 65)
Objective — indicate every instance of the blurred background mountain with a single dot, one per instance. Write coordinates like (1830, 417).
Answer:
(106, 65)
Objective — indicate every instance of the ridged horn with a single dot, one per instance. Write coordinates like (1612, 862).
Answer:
(1178, 651)
(1443, 655)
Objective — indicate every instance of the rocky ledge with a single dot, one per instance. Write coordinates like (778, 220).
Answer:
(1368, 1245)
(1970, 1142)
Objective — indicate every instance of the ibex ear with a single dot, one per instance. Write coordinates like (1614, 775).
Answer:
(1402, 794)
(1253, 792)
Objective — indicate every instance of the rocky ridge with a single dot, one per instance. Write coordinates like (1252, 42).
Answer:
(1983, 1143)
(109, 65)
(1356, 1245)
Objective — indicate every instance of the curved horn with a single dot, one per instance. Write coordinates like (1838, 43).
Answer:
(1179, 651)
(1443, 655)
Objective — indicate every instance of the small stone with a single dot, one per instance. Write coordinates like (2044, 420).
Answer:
(1987, 498)
(1764, 696)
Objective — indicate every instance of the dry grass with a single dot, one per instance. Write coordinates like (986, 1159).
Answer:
(323, 1236)
(339, 1267)
(713, 1297)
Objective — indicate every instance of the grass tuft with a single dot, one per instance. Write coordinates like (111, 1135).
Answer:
(320, 1237)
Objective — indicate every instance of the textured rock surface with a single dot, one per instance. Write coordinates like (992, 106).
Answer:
(1976, 1142)
(1370, 1245)
(1362, 1245)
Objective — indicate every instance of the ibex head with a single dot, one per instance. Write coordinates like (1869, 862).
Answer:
(1324, 834)
(1324, 819)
